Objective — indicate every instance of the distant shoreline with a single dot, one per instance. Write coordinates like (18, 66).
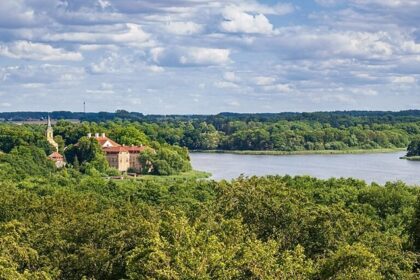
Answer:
(192, 174)
(312, 152)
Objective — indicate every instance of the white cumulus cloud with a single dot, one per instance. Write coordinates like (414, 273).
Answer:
(37, 51)
(236, 21)
(404, 80)
(183, 28)
(205, 56)
(190, 56)
(264, 81)
(129, 34)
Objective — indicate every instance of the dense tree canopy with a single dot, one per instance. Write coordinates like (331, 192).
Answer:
(164, 160)
(414, 148)
(68, 226)
(227, 131)
(233, 134)
(87, 153)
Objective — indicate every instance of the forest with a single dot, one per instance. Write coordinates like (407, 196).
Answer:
(226, 134)
(76, 223)
(287, 132)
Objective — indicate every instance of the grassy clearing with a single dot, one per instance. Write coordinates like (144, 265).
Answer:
(314, 152)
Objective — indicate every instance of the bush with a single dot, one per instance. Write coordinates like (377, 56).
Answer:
(413, 149)
(165, 160)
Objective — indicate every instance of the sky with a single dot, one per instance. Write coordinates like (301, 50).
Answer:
(206, 57)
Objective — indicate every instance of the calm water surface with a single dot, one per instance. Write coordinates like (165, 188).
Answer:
(378, 168)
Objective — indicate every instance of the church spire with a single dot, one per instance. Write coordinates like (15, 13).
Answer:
(50, 134)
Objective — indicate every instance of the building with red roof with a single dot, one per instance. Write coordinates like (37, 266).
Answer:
(59, 160)
(104, 141)
(119, 156)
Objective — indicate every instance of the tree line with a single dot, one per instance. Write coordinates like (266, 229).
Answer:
(242, 135)
(228, 131)
(335, 116)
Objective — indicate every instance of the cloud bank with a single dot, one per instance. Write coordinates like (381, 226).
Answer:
(197, 56)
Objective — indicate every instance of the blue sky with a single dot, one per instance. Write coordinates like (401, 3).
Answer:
(196, 56)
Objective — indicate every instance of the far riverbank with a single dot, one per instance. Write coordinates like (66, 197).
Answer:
(306, 152)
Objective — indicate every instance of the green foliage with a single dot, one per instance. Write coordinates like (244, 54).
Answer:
(351, 262)
(113, 172)
(88, 155)
(72, 226)
(416, 226)
(128, 134)
(17, 259)
(254, 133)
(12, 136)
(71, 133)
(280, 135)
(25, 161)
(61, 144)
(165, 160)
(414, 148)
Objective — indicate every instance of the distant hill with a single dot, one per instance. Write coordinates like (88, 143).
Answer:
(383, 116)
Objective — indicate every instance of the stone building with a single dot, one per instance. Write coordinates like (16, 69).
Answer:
(118, 158)
(59, 160)
(123, 158)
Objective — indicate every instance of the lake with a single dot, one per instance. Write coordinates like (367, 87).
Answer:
(380, 168)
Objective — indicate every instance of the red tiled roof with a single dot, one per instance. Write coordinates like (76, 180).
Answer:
(117, 149)
(129, 149)
(135, 149)
(103, 140)
(56, 156)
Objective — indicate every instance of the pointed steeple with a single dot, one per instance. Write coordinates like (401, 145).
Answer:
(50, 134)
